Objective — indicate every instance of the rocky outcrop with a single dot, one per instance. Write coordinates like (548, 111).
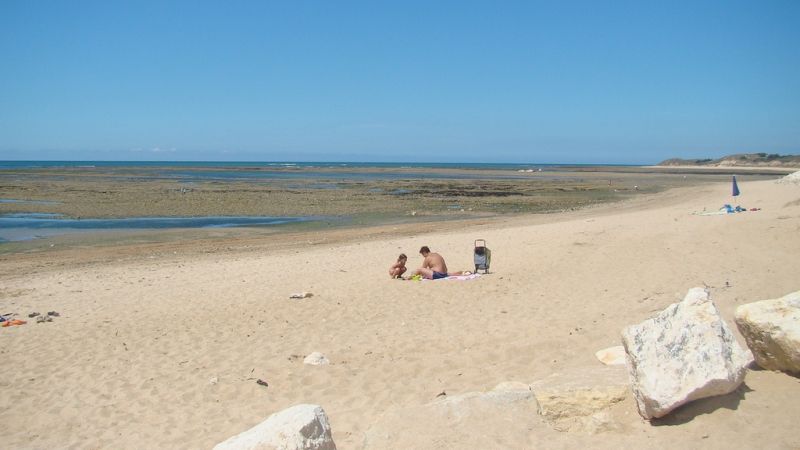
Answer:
(577, 400)
(301, 427)
(772, 331)
(492, 419)
(685, 353)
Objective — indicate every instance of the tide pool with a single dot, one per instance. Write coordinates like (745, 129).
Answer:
(28, 226)
(28, 202)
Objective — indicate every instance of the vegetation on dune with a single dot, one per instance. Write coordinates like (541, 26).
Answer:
(744, 159)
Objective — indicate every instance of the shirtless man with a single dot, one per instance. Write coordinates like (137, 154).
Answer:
(433, 266)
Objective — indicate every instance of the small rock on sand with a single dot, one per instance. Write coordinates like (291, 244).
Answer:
(612, 356)
(316, 359)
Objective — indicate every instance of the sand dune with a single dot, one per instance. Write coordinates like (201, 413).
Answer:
(163, 352)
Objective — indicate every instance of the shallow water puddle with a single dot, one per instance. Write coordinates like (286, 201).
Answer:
(27, 226)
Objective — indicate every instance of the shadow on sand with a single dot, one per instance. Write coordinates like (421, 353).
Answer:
(688, 412)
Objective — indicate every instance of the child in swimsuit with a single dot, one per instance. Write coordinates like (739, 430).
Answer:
(398, 268)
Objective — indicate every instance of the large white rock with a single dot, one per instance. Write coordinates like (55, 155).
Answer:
(299, 427)
(685, 353)
(772, 331)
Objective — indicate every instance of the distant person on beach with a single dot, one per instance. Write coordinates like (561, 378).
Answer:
(433, 266)
(399, 267)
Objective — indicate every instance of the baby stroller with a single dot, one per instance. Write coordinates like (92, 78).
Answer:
(483, 256)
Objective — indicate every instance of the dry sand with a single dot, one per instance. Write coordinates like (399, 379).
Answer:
(132, 359)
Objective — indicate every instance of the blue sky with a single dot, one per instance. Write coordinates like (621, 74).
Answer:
(548, 82)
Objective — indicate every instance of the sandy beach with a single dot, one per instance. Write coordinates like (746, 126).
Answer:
(160, 346)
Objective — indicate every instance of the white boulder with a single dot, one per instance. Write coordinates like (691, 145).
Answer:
(685, 353)
(302, 426)
(316, 359)
(772, 331)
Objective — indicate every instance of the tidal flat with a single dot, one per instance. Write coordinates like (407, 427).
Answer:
(334, 197)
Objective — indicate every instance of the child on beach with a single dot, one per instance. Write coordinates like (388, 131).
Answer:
(398, 268)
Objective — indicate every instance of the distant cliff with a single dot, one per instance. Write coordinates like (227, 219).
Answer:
(744, 160)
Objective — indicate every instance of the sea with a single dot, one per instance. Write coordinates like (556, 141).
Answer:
(188, 171)
(11, 165)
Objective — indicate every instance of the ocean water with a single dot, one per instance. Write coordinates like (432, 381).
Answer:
(263, 171)
(5, 165)
(319, 172)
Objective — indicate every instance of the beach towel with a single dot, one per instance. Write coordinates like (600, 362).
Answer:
(726, 209)
(471, 276)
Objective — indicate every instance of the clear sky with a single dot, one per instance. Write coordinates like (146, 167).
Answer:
(462, 81)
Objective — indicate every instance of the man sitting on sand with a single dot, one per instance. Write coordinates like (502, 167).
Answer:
(433, 266)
